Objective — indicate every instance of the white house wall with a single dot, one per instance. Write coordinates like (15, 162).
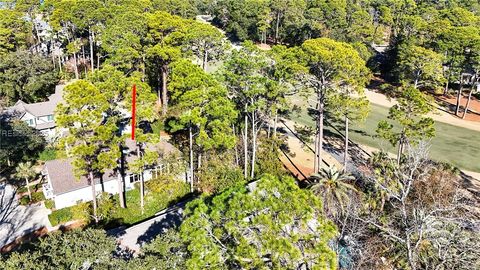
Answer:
(27, 117)
(85, 194)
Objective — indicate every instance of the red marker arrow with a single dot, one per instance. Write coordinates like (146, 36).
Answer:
(134, 101)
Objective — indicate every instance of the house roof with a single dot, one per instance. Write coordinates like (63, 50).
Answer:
(47, 125)
(40, 108)
(62, 177)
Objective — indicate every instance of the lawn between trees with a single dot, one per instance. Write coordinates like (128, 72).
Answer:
(451, 144)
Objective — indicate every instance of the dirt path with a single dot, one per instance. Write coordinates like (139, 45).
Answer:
(299, 158)
(439, 116)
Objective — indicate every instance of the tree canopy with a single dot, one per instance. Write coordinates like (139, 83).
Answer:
(271, 223)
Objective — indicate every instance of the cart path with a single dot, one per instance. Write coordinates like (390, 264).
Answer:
(439, 115)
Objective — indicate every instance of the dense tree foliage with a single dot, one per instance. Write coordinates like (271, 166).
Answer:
(272, 223)
(71, 250)
(221, 100)
(18, 143)
(26, 76)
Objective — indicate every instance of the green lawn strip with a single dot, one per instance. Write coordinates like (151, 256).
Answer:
(61, 216)
(154, 202)
(48, 154)
(456, 145)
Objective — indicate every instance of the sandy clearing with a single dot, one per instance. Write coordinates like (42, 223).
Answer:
(301, 156)
(439, 116)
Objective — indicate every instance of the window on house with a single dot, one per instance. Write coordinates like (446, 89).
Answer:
(30, 122)
(132, 178)
(50, 117)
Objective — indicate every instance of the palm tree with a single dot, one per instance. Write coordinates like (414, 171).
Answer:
(333, 186)
(24, 170)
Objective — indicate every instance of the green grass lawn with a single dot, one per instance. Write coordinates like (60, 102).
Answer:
(155, 201)
(456, 145)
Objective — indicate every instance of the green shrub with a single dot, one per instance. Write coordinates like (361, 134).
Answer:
(60, 216)
(50, 204)
(159, 184)
(24, 200)
(106, 205)
(48, 154)
(82, 211)
(157, 126)
(22, 189)
(37, 197)
(218, 174)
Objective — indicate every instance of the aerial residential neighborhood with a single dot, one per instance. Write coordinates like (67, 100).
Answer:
(240, 134)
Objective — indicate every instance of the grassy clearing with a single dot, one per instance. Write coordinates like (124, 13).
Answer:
(155, 200)
(456, 145)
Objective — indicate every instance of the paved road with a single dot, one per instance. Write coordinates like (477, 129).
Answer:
(17, 220)
(134, 237)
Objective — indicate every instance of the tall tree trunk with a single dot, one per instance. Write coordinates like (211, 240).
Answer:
(236, 145)
(320, 135)
(190, 135)
(199, 162)
(143, 67)
(319, 140)
(28, 188)
(468, 100)
(400, 146)
(254, 145)
(53, 60)
(245, 146)
(275, 121)
(90, 36)
(142, 187)
(75, 65)
(164, 90)
(84, 66)
(459, 96)
(205, 60)
(60, 64)
(445, 92)
(121, 179)
(277, 26)
(121, 189)
(269, 126)
(345, 157)
(94, 196)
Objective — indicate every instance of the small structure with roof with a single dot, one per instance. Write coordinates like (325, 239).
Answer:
(40, 115)
(65, 189)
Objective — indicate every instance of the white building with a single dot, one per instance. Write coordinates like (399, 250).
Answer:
(67, 190)
(40, 115)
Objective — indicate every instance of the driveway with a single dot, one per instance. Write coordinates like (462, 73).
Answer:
(17, 220)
